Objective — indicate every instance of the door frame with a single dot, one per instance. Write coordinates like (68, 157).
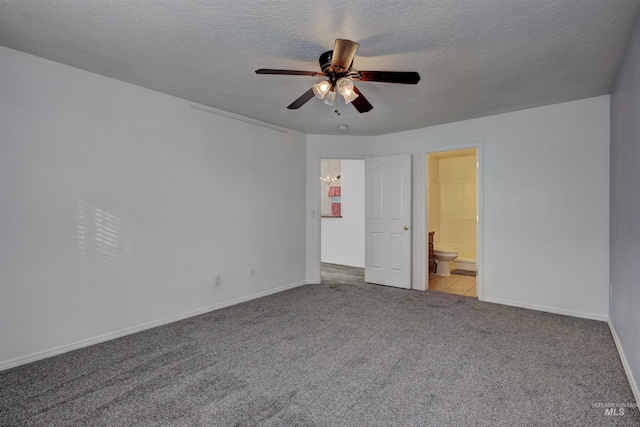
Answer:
(317, 188)
(423, 237)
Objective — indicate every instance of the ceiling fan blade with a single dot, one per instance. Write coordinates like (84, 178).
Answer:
(343, 53)
(361, 103)
(289, 72)
(406, 77)
(302, 100)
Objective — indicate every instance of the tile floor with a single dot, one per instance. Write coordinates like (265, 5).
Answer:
(454, 284)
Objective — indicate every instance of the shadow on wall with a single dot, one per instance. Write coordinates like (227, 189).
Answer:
(105, 237)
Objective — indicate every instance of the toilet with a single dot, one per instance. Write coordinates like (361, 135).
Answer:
(442, 255)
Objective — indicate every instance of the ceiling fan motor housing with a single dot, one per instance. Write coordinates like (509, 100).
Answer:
(325, 60)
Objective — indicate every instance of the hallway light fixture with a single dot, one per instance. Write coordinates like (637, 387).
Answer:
(328, 180)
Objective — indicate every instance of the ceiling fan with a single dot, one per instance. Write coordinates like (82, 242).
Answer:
(336, 66)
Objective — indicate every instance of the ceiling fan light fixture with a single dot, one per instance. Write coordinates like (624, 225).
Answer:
(349, 97)
(346, 89)
(336, 67)
(321, 89)
(330, 98)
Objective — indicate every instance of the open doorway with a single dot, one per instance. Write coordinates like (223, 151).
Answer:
(452, 221)
(342, 238)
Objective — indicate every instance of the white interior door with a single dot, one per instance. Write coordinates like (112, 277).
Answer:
(388, 221)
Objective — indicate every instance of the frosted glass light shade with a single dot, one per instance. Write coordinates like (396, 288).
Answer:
(346, 89)
(321, 89)
(330, 98)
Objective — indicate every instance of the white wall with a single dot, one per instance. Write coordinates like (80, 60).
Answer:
(327, 147)
(546, 198)
(342, 239)
(120, 204)
(625, 211)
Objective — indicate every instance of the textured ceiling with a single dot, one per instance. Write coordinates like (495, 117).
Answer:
(476, 57)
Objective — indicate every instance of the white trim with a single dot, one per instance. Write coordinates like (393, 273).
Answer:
(422, 281)
(238, 117)
(463, 264)
(479, 146)
(553, 310)
(625, 362)
(128, 331)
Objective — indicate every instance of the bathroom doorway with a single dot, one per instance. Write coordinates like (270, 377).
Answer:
(452, 221)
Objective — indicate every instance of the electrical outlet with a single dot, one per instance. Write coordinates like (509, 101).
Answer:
(252, 272)
(218, 279)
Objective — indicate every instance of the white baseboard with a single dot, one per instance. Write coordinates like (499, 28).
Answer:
(553, 310)
(128, 331)
(625, 363)
(463, 264)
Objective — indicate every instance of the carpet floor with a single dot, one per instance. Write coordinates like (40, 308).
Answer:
(342, 353)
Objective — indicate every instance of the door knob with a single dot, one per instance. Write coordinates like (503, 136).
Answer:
(406, 227)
